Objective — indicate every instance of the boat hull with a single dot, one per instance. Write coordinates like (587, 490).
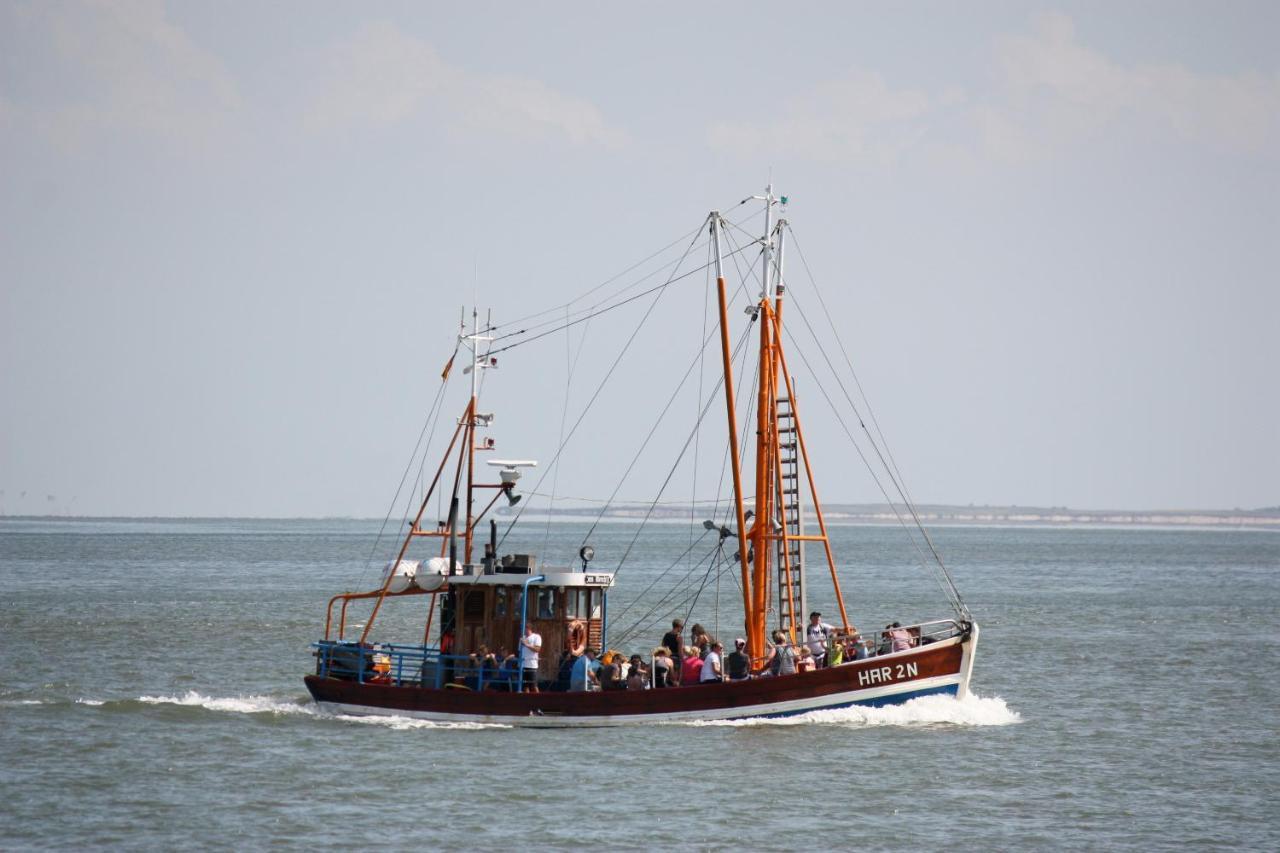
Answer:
(938, 668)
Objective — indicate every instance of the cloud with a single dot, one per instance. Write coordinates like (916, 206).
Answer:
(121, 68)
(856, 117)
(384, 76)
(1051, 92)
(1057, 91)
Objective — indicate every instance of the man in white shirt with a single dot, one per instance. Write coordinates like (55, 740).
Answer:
(816, 635)
(711, 665)
(530, 645)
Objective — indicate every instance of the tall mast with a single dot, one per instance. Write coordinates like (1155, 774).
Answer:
(474, 419)
(755, 645)
(471, 429)
(766, 290)
(762, 532)
(792, 514)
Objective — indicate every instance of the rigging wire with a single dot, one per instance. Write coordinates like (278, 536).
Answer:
(951, 594)
(835, 333)
(697, 438)
(576, 313)
(670, 567)
(681, 604)
(586, 317)
(431, 420)
(892, 466)
(617, 360)
(711, 566)
(683, 450)
(630, 631)
(738, 347)
(697, 361)
(571, 367)
(619, 275)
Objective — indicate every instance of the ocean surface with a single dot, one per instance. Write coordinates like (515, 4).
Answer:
(1126, 697)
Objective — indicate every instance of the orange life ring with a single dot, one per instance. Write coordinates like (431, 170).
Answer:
(577, 638)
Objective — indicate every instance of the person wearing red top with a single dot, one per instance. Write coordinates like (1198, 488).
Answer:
(691, 671)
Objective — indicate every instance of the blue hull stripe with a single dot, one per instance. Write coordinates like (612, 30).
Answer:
(878, 702)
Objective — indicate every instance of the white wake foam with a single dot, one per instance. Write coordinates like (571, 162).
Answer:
(235, 705)
(923, 711)
(271, 705)
(406, 723)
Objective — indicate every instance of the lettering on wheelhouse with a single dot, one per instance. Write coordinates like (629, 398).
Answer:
(887, 674)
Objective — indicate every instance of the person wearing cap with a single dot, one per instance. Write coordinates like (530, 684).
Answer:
(711, 670)
(737, 663)
(816, 635)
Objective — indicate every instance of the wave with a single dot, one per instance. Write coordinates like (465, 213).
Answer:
(924, 711)
(973, 710)
(234, 705)
(296, 706)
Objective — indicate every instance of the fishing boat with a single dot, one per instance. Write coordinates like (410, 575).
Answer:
(470, 601)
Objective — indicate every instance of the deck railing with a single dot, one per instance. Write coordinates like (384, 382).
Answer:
(405, 665)
(401, 665)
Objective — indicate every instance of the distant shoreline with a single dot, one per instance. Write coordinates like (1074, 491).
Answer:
(844, 514)
(989, 516)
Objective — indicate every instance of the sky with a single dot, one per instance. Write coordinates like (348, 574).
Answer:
(235, 239)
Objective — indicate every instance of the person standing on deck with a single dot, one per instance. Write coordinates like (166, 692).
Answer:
(530, 646)
(783, 661)
(816, 634)
(673, 641)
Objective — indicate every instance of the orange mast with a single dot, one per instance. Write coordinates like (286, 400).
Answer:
(755, 645)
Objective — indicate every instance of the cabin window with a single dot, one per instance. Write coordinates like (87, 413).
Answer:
(473, 605)
(574, 606)
(500, 602)
(546, 603)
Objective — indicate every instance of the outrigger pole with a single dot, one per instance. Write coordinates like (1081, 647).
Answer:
(466, 430)
(755, 643)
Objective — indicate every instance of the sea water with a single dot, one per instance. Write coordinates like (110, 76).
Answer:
(1125, 696)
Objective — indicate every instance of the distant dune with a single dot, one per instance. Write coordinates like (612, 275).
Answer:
(1267, 518)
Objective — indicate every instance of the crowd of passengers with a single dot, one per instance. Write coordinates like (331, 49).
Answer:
(677, 663)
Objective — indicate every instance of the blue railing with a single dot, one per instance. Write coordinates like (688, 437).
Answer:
(403, 665)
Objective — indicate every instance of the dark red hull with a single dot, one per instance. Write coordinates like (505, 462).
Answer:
(938, 668)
